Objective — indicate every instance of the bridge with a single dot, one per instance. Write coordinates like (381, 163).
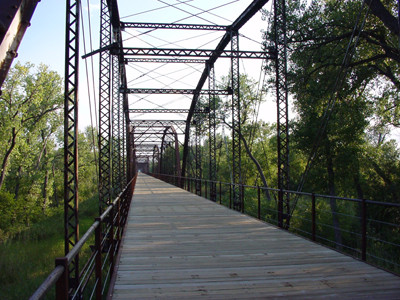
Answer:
(167, 226)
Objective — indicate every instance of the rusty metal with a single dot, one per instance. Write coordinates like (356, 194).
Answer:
(313, 218)
(15, 17)
(172, 26)
(236, 126)
(247, 14)
(280, 48)
(71, 197)
(258, 203)
(212, 175)
(364, 230)
(105, 159)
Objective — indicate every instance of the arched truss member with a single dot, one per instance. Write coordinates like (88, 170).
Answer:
(156, 159)
(170, 139)
(131, 153)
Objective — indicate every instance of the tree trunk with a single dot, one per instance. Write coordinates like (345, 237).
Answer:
(257, 164)
(6, 157)
(45, 181)
(17, 183)
(332, 201)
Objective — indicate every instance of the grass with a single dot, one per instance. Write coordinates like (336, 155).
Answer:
(27, 259)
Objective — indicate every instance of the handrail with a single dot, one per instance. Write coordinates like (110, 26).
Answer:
(383, 203)
(56, 275)
(356, 225)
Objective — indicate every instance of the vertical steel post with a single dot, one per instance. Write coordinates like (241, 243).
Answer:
(198, 153)
(236, 144)
(98, 260)
(280, 46)
(313, 217)
(116, 126)
(62, 286)
(211, 135)
(71, 199)
(220, 193)
(364, 230)
(104, 109)
(258, 203)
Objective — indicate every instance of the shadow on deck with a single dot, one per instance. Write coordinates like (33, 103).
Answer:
(179, 245)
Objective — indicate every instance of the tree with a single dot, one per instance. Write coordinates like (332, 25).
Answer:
(29, 100)
(344, 65)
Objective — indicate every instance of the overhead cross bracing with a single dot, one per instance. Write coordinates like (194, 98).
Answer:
(183, 46)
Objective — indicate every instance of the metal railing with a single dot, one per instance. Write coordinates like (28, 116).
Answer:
(365, 229)
(105, 234)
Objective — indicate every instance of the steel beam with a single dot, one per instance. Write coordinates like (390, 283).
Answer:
(116, 137)
(164, 110)
(250, 11)
(236, 127)
(174, 91)
(104, 110)
(125, 25)
(71, 199)
(165, 60)
(15, 17)
(280, 44)
(192, 53)
(156, 157)
(198, 152)
(211, 136)
(156, 123)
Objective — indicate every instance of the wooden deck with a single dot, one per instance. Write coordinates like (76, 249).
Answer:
(180, 246)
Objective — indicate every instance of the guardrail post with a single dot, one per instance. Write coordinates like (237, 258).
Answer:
(205, 190)
(62, 283)
(98, 260)
(119, 219)
(220, 193)
(242, 196)
(280, 208)
(258, 203)
(364, 230)
(230, 195)
(313, 217)
(111, 238)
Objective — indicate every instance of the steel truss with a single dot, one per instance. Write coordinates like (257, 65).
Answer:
(236, 144)
(198, 155)
(158, 110)
(175, 91)
(157, 123)
(116, 129)
(211, 136)
(168, 165)
(172, 26)
(104, 109)
(161, 110)
(213, 55)
(71, 219)
(192, 52)
(282, 111)
(156, 160)
(165, 60)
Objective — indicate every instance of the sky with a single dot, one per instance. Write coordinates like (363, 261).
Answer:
(44, 43)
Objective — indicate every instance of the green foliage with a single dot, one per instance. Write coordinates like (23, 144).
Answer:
(31, 179)
(28, 258)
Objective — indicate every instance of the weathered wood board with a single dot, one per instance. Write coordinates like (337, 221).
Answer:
(181, 246)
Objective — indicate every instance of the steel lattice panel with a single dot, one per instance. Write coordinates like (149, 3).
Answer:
(211, 136)
(236, 145)
(282, 107)
(71, 222)
(104, 110)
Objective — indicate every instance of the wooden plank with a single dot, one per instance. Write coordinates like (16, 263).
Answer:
(180, 246)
